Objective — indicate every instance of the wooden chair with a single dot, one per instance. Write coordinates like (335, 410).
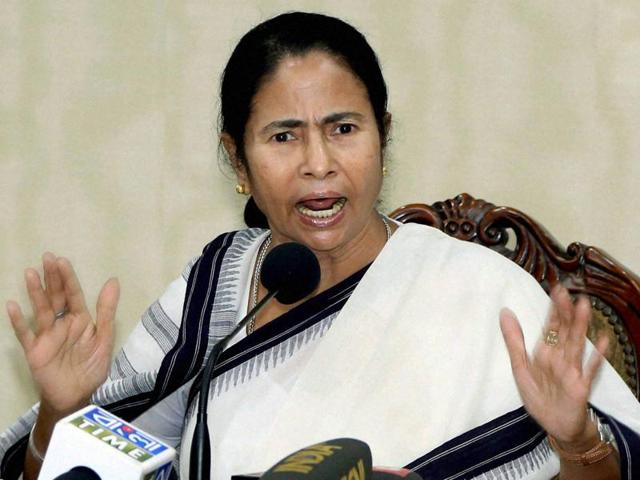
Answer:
(614, 290)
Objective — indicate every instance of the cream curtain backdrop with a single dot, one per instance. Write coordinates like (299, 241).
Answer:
(108, 148)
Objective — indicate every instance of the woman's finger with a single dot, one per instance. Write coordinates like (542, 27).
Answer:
(106, 311)
(72, 289)
(552, 325)
(561, 321)
(24, 334)
(596, 358)
(42, 310)
(514, 340)
(53, 282)
(577, 334)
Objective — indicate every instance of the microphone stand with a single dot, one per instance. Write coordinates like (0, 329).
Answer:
(200, 460)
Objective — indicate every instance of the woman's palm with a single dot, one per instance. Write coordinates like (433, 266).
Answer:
(553, 383)
(69, 356)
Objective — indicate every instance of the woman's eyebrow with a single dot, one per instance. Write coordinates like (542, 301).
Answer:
(295, 123)
(339, 116)
(285, 123)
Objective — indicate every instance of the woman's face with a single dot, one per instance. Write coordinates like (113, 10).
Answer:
(314, 155)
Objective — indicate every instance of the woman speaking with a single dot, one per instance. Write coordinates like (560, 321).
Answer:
(442, 355)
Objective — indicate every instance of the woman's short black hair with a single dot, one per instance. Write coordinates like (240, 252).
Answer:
(296, 33)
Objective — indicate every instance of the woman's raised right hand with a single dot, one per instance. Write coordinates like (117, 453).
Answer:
(69, 357)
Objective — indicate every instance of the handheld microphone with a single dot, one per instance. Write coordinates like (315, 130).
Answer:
(290, 272)
(338, 459)
(93, 444)
(334, 459)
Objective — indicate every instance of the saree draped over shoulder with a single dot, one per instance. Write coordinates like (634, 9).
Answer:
(405, 354)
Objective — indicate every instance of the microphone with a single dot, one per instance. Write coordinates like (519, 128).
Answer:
(290, 272)
(93, 444)
(79, 473)
(340, 458)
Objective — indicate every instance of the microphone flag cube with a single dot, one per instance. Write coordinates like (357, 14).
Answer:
(113, 448)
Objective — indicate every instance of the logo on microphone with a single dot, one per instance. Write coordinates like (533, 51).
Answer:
(118, 434)
(304, 461)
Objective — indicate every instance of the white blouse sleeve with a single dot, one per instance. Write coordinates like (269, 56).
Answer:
(165, 420)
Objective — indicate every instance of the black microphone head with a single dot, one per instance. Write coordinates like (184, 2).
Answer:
(291, 269)
(333, 459)
(79, 473)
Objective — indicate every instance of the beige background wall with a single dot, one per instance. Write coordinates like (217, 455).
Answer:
(108, 111)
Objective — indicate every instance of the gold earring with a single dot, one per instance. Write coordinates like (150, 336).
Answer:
(241, 189)
(384, 171)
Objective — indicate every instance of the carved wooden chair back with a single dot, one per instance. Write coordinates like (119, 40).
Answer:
(614, 291)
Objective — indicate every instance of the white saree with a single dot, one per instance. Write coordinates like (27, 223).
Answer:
(414, 359)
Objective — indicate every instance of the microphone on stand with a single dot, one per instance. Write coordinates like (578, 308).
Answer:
(290, 272)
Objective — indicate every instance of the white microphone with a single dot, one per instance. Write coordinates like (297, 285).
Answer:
(112, 448)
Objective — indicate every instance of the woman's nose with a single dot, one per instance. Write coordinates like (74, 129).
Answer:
(318, 162)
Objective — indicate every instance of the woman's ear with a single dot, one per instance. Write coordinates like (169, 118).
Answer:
(230, 147)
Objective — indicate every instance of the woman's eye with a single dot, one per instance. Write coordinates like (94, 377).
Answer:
(283, 137)
(344, 128)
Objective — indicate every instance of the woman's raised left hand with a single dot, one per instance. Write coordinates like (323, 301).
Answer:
(553, 383)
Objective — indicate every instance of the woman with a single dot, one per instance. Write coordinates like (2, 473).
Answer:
(399, 345)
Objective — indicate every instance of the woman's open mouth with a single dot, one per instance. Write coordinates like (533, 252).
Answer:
(321, 208)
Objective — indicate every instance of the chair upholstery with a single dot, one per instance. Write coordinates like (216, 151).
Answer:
(614, 291)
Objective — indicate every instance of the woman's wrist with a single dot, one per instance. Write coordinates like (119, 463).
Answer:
(587, 440)
(40, 435)
(36, 452)
(49, 414)
(42, 429)
(595, 445)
